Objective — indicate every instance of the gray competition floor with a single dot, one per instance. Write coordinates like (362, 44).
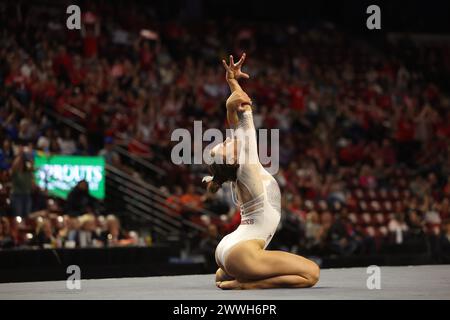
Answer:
(418, 282)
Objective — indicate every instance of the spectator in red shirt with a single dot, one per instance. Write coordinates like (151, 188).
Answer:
(90, 31)
(405, 135)
(63, 64)
(297, 95)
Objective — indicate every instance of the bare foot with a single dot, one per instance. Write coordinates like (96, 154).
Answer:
(230, 285)
(221, 275)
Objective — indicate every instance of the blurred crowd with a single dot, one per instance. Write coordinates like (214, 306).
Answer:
(53, 231)
(364, 128)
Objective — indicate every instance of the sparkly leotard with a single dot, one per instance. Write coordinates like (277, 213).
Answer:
(261, 214)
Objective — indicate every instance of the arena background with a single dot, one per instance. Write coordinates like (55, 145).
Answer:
(363, 116)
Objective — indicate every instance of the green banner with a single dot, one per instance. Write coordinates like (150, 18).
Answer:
(59, 174)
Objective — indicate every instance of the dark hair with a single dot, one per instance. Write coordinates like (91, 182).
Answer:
(221, 173)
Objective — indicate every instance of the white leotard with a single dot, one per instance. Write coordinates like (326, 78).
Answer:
(260, 216)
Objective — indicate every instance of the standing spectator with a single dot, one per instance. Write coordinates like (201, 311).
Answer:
(22, 180)
(90, 31)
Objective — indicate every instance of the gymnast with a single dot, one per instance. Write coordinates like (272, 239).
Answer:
(244, 262)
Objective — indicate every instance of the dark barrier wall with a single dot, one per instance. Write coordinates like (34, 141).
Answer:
(51, 264)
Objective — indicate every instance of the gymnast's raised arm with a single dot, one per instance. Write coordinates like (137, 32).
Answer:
(240, 118)
(238, 101)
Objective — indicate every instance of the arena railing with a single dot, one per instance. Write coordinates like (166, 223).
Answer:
(133, 194)
(140, 195)
(66, 121)
(160, 195)
(150, 166)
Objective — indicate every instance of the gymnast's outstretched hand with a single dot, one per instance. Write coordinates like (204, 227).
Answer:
(234, 71)
(238, 101)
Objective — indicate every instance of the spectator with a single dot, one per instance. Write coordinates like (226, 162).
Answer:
(54, 147)
(6, 239)
(111, 156)
(191, 202)
(214, 203)
(83, 146)
(341, 236)
(90, 32)
(6, 155)
(113, 235)
(66, 143)
(444, 242)
(416, 235)
(44, 140)
(447, 188)
(432, 218)
(444, 208)
(313, 231)
(296, 208)
(87, 236)
(173, 201)
(69, 228)
(292, 228)
(22, 180)
(45, 237)
(398, 228)
(79, 201)
(208, 245)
